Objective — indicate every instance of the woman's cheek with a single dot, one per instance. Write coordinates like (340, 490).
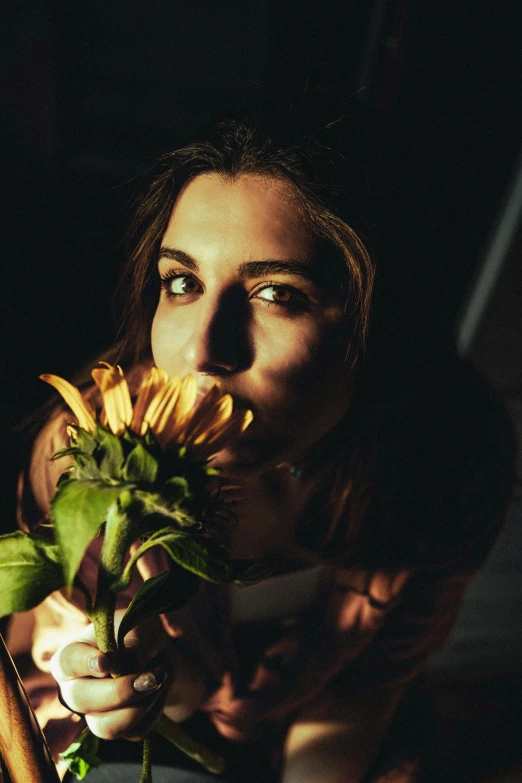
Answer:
(287, 368)
(166, 343)
(287, 344)
(310, 383)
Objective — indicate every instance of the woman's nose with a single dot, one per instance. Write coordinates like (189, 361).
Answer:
(218, 343)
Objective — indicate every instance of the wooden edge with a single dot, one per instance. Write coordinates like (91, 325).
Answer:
(23, 748)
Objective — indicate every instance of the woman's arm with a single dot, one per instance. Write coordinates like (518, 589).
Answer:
(340, 731)
(335, 740)
(337, 735)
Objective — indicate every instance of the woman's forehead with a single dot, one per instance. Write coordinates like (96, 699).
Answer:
(255, 209)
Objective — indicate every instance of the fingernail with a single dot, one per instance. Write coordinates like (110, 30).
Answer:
(98, 663)
(148, 681)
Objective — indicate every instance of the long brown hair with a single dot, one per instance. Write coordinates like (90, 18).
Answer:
(231, 149)
(327, 199)
(383, 487)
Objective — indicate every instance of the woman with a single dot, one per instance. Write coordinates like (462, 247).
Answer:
(376, 495)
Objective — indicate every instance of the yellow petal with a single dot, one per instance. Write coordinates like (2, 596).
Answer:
(213, 422)
(161, 415)
(248, 418)
(230, 429)
(155, 406)
(153, 382)
(115, 395)
(188, 395)
(213, 410)
(172, 418)
(204, 413)
(217, 439)
(81, 409)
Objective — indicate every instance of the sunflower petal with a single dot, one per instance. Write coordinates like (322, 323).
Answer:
(81, 409)
(230, 429)
(157, 403)
(171, 421)
(211, 419)
(153, 382)
(248, 418)
(203, 414)
(216, 440)
(162, 417)
(115, 395)
(188, 395)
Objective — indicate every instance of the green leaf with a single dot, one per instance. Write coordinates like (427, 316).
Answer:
(81, 757)
(30, 570)
(175, 490)
(140, 465)
(78, 510)
(249, 572)
(108, 454)
(170, 509)
(184, 550)
(85, 441)
(82, 448)
(165, 592)
(86, 468)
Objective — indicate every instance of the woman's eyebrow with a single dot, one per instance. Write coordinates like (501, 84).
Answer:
(250, 269)
(282, 267)
(179, 255)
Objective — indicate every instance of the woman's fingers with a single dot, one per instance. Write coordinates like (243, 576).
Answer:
(82, 658)
(131, 722)
(127, 706)
(104, 695)
(79, 659)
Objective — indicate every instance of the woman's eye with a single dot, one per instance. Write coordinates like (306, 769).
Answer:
(282, 295)
(180, 285)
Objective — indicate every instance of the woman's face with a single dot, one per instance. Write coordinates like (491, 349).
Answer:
(246, 300)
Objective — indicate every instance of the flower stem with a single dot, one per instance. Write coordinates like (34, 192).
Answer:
(102, 617)
(191, 747)
(146, 769)
(120, 532)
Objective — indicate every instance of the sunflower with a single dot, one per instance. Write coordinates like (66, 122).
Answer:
(165, 406)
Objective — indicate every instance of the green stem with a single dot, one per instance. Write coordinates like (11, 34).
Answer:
(120, 532)
(191, 747)
(146, 768)
(102, 617)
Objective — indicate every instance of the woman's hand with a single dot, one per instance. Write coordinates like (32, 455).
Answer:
(127, 706)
